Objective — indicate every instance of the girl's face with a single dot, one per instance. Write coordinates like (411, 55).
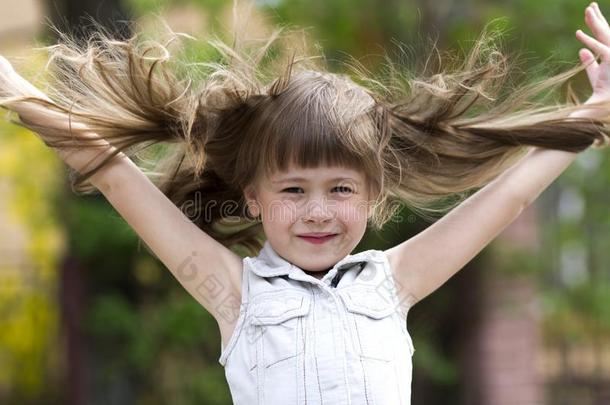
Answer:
(324, 200)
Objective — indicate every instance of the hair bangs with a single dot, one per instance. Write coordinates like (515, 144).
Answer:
(309, 142)
(311, 124)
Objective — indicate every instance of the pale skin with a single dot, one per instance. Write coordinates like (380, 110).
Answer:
(417, 264)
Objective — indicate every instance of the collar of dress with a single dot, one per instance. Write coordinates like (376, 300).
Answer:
(270, 264)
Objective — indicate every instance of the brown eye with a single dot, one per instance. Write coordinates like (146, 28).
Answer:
(291, 189)
(344, 189)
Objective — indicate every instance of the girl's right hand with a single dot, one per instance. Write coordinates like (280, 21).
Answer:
(11, 83)
(6, 78)
(5, 65)
(14, 85)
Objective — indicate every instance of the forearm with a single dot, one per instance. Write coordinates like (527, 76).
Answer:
(539, 168)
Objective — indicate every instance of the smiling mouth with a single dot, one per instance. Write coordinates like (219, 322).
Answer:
(317, 239)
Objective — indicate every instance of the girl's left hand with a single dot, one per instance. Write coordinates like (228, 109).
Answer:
(598, 73)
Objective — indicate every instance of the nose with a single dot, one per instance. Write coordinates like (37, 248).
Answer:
(318, 209)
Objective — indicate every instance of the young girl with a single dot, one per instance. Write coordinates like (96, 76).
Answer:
(310, 158)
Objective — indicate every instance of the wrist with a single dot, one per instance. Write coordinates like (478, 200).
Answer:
(598, 108)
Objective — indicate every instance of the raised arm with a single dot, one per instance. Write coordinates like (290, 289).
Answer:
(425, 262)
(190, 254)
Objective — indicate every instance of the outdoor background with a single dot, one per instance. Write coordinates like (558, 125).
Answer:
(88, 317)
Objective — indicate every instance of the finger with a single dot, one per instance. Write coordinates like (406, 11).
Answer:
(592, 68)
(598, 13)
(597, 47)
(600, 28)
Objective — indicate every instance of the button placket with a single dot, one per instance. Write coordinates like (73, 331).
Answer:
(339, 336)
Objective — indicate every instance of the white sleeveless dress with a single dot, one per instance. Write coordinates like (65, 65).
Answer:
(339, 340)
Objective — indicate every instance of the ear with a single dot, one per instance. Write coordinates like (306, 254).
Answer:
(251, 200)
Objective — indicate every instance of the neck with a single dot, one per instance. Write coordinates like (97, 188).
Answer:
(317, 274)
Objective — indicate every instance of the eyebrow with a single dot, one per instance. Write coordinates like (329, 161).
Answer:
(304, 180)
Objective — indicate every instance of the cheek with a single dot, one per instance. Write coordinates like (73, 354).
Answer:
(352, 211)
(281, 211)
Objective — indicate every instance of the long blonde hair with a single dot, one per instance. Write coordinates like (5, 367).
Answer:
(421, 139)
